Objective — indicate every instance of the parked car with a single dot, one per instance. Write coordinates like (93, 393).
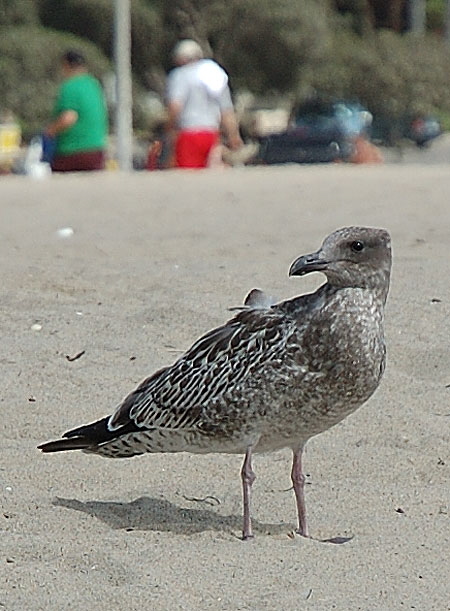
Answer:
(318, 132)
(424, 129)
(421, 129)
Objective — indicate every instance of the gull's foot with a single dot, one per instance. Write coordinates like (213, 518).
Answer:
(298, 533)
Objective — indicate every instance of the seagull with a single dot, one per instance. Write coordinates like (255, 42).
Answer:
(273, 376)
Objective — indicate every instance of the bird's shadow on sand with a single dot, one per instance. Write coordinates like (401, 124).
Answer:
(146, 513)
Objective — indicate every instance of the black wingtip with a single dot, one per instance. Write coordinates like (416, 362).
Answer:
(81, 438)
(61, 445)
(87, 436)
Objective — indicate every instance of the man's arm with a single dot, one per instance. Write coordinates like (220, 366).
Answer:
(173, 112)
(62, 122)
(231, 129)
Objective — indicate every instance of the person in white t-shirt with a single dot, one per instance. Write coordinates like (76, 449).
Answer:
(199, 106)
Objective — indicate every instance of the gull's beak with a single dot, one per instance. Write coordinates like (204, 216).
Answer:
(308, 263)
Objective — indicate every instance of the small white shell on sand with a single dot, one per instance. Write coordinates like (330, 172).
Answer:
(65, 232)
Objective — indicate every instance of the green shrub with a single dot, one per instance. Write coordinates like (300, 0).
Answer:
(18, 12)
(94, 20)
(273, 42)
(435, 15)
(391, 74)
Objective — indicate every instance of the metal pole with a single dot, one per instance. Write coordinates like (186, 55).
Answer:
(417, 16)
(447, 21)
(122, 59)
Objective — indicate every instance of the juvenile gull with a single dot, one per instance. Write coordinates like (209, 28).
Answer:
(273, 376)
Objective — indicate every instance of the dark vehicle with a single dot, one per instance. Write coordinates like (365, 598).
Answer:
(420, 129)
(319, 132)
(423, 130)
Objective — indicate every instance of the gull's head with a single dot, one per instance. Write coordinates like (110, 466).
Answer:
(351, 257)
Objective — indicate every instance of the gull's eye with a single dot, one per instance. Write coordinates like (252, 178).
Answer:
(357, 246)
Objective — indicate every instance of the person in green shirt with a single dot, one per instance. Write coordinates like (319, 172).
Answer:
(80, 119)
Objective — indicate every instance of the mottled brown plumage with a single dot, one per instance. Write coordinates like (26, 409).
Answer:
(273, 376)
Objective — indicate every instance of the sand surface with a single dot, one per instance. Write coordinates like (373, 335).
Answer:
(155, 260)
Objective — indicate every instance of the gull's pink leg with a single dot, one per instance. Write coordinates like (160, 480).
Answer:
(248, 477)
(298, 481)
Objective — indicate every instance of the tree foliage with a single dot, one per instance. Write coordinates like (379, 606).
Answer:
(18, 12)
(94, 21)
(289, 47)
(391, 74)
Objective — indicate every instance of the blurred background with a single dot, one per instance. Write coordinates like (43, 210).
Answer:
(390, 57)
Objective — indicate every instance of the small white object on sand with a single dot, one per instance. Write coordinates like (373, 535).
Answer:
(65, 232)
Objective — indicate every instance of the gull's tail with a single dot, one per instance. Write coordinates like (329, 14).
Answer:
(82, 438)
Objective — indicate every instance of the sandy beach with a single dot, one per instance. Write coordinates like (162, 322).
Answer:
(154, 261)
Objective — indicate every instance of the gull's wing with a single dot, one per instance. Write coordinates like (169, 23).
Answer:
(177, 396)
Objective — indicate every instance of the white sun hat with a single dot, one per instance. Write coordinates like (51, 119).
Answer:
(187, 50)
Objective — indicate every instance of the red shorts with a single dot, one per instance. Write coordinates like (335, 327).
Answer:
(192, 148)
(79, 162)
